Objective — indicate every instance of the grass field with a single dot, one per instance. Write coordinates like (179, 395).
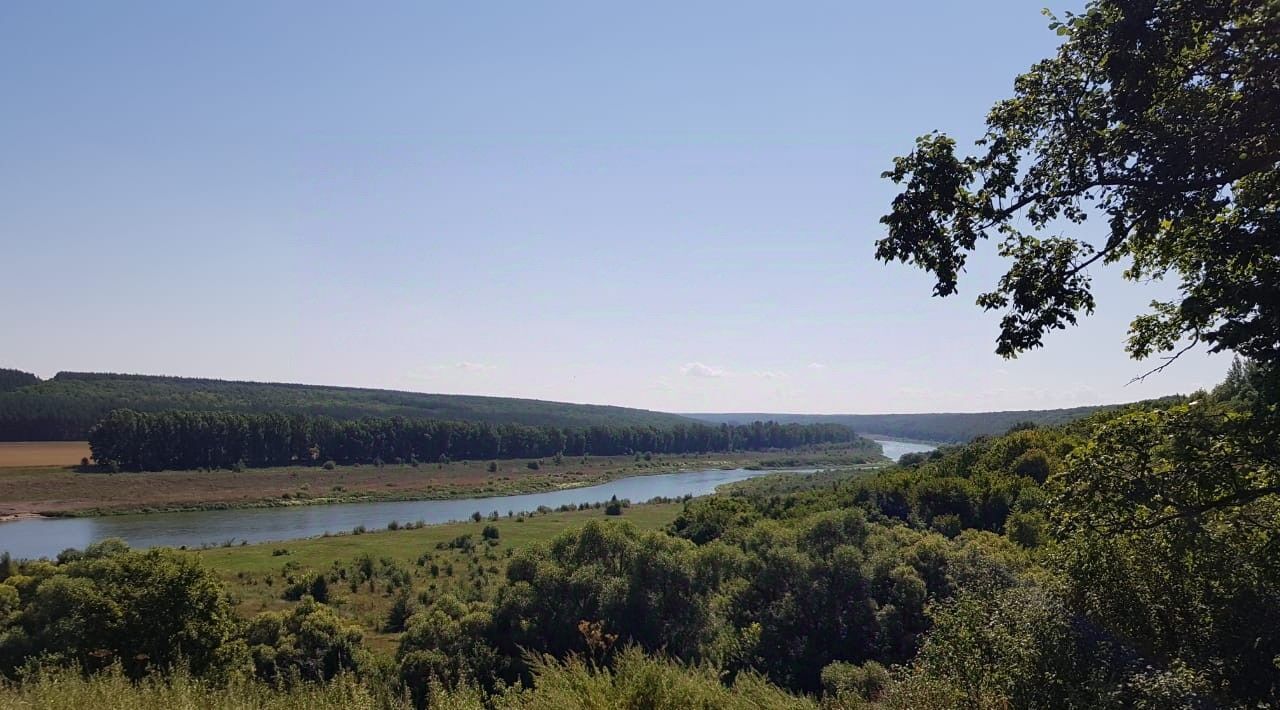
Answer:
(62, 490)
(259, 574)
(42, 453)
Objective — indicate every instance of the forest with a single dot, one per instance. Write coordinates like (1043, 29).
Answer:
(1014, 571)
(939, 427)
(64, 407)
(129, 440)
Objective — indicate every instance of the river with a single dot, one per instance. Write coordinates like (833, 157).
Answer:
(46, 537)
(895, 449)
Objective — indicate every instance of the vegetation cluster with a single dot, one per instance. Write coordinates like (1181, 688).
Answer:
(1119, 561)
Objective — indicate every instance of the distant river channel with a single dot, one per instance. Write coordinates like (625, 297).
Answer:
(46, 537)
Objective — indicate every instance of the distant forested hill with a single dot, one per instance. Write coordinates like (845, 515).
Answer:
(938, 427)
(64, 407)
(14, 379)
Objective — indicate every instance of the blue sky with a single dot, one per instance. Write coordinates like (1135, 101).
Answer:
(667, 205)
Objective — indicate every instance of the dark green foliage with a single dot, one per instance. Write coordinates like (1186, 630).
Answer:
(320, 589)
(401, 610)
(646, 588)
(706, 519)
(447, 642)
(111, 605)
(845, 680)
(11, 380)
(309, 643)
(65, 407)
(190, 440)
(1169, 524)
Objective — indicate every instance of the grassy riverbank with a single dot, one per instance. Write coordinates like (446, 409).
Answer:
(66, 491)
(422, 562)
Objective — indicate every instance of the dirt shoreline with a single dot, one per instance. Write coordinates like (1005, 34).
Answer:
(15, 517)
(52, 491)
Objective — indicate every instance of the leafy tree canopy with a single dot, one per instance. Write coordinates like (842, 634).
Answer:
(1159, 116)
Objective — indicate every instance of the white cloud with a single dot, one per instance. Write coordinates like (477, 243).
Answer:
(697, 369)
(817, 366)
(434, 372)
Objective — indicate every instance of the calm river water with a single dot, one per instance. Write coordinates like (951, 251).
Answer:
(46, 537)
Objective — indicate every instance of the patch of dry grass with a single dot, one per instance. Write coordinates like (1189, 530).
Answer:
(42, 453)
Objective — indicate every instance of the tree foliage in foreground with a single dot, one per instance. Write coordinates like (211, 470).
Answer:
(1158, 117)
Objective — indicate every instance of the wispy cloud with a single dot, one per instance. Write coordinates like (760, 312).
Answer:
(816, 366)
(697, 369)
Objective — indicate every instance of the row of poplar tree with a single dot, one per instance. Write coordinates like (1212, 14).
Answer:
(127, 439)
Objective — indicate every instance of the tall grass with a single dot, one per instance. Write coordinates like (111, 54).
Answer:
(67, 689)
(640, 681)
(635, 681)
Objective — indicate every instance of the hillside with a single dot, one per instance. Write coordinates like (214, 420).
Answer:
(942, 427)
(65, 406)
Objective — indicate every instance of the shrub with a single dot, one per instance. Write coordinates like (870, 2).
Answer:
(533, 465)
(329, 465)
(309, 643)
(401, 610)
(867, 681)
(108, 604)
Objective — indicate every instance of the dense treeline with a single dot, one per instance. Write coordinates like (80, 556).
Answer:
(944, 427)
(66, 406)
(13, 379)
(189, 440)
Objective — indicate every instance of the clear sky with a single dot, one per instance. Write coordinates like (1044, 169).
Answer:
(667, 205)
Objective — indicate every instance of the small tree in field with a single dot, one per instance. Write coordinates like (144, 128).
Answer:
(613, 507)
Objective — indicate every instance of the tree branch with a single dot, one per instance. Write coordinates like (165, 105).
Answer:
(1168, 360)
